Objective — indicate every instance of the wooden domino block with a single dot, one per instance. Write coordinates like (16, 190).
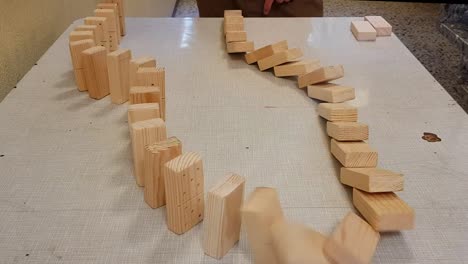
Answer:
(348, 131)
(145, 94)
(81, 35)
(260, 211)
(330, 92)
(353, 241)
(338, 112)
(113, 37)
(118, 64)
(372, 180)
(102, 30)
(136, 64)
(279, 58)
(152, 76)
(96, 75)
(239, 47)
(92, 28)
(354, 154)
(297, 244)
(223, 218)
(324, 74)
(234, 20)
(140, 112)
(183, 178)
(236, 36)
(363, 30)
(76, 49)
(121, 6)
(384, 211)
(144, 133)
(266, 51)
(156, 155)
(296, 68)
(114, 7)
(232, 13)
(233, 27)
(382, 27)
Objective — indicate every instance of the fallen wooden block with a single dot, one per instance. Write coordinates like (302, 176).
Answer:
(372, 180)
(183, 178)
(76, 49)
(279, 58)
(102, 30)
(297, 244)
(330, 92)
(121, 6)
(384, 211)
(118, 64)
(363, 30)
(380, 25)
(324, 74)
(145, 94)
(113, 37)
(354, 154)
(233, 27)
(144, 133)
(92, 28)
(266, 51)
(140, 112)
(353, 241)
(97, 79)
(152, 76)
(236, 36)
(156, 155)
(81, 35)
(136, 64)
(296, 68)
(348, 131)
(232, 13)
(338, 112)
(239, 47)
(260, 211)
(222, 222)
(234, 20)
(114, 7)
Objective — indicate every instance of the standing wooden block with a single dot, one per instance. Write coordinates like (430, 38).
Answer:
(372, 180)
(260, 211)
(81, 35)
(143, 62)
(279, 58)
(382, 27)
(102, 30)
(152, 76)
(183, 178)
(348, 131)
(239, 47)
(384, 211)
(297, 244)
(354, 154)
(234, 20)
(144, 133)
(330, 92)
(324, 74)
(97, 79)
(92, 28)
(114, 7)
(156, 155)
(296, 68)
(266, 51)
(353, 241)
(223, 217)
(113, 37)
(121, 5)
(233, 27)
(338, 112)
(118, 64)
(232, 13)
(76, 49)
(145, 94)
(363, 30)
(236, 36)
(140, 112)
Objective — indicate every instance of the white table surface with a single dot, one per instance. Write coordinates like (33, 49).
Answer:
(67, 194)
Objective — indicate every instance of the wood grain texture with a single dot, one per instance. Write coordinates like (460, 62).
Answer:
(145, 94)
(92, 28)
(321, 75)
(339, 112)
(144, 111)
(96, 74)
(76, 49)
(236, 36)
(330, 92)
(113, 38)
(102, 30)
(121, 6)
(136, 64)
(152, 76)
(114, 7)
(239, 47)
(348, 131)
(354, 154)
(234, 20)
(279, 58)
(233, 27)
(372, 180)
(118, 64)
(380, 25)
(296, 68)
(266, 51)
(363, 31)
(81, 35)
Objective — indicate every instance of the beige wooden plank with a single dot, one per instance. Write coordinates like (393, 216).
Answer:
(266, 51)
(279, 58)
(339, 112)
(321, 75)
(330, 92)
(348, 131)
(354, 154)
(372, 180)
(363, 31)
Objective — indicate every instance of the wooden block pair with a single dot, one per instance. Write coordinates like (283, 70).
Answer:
(321, 75)
(75, 35)
(102, 30)
(371, 28)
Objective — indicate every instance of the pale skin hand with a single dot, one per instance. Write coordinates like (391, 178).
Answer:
(269, 3)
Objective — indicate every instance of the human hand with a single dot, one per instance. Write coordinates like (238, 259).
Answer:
(269, 3)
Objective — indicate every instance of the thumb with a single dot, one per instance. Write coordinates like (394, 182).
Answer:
(267, 6)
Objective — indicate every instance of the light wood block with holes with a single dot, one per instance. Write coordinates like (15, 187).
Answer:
(118, 64)
(232, 13)
(144, 133)
(353, 241)
(140, 112)
(330, 92)
(152, 76)
(233, 27)
(363, 31)
(121, 6)
(234, 20)
(338, 112)
(143, 62)
(385, 212)
(239, 47)
(296, 68)
(348, 131)
(114, 7)
(102, 30)
(156, 155)
(372, 180)
(380, 25)
(184, 180)
(266, 51)
(279, 58)
(113, 37)
(354, 154)
(321, 75)
(223, 218)
(97, 79)
(81, 35)
(145, 94)
(76, 49)
(261, 210)
(92, 28)
(297, 244)
(236, 36)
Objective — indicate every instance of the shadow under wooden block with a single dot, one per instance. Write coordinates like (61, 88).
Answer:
(102, 30)
(296, 68)
(118, 63)
(152, 76)
(145, 94)
(76, 49)
(279, 58)
(97, 79)
(363, 31)
(338, 112)
(223, 218)
(324, 74)
(382, 27)
(135, 64)
(140, 112)
(372, 180)
(348, 131)
(353, 241)
(266, 51)
(330, 92)
(260, 211)
(384, 211)
(354, 154)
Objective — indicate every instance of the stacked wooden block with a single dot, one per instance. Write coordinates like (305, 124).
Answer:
(370, 28)
(234, 33)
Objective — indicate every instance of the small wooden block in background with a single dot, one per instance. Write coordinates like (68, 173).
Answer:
(114, 7)
(76, 49)
(118, 63)
(330, 92)
(363, 30)
(232, 13)
(297, 244)
(266, 51)
(145, 94)
(233, 27)
(81, 35)
(152, 76)
(113, 37)
(353, 241)
(348, 131)
(97, 79)
(239, 47)
(279, 58)
(260, 211)
(384, 211)
(324, 74)
(92, 28)
(354, 154)
(296, 68)
(184, 180)
(372, 180)
(140, 112)
(102, 30)
(223, 218)
(236, 36)
(382, 27)
(121, 5)
(338, 112)
(135, 64)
